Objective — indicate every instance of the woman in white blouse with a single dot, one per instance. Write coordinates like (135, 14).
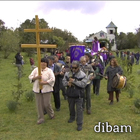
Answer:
(43, 96)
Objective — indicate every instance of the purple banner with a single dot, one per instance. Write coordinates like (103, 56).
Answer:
(76, 52)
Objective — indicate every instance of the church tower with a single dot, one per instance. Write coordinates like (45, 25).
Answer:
(111, 35)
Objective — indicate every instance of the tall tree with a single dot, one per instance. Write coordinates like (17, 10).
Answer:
(131, 40)
(30, 38)
(27, 37)
(2, 28)
(9, 42)
(62, 37)
(67, 36)
(60, 42)
(138, 36)
(121, 41)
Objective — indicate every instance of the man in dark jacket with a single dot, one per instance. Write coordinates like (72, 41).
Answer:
(75, 81)
(56, 69)
(18, 58)
(61, 64)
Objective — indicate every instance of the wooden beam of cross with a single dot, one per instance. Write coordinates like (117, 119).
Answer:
(38, 45)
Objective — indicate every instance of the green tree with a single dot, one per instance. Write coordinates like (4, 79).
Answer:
(43, 25)
(27, 37)
(62, 38)
(59, 41)
(138, 36)
(9, 42)
(122, 41)
(65, 35)
(131, 40)
(30, 37)
(2, 28)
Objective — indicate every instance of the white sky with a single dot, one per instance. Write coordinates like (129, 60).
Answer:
(124, 14)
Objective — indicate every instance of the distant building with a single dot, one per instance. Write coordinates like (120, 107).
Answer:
(110, 35)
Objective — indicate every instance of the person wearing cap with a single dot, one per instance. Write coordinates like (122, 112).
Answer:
(88, 70)
(43, 96)
(75, 81)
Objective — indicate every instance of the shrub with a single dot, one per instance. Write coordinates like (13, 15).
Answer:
(131, 93)
(12, 105)
(138, 72)
(16, 93)
(137, 105)
(29, 96)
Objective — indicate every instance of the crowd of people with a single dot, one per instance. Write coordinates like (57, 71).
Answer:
(76, 79)
(130, 56)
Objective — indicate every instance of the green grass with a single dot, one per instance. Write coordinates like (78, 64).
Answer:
(21, 125)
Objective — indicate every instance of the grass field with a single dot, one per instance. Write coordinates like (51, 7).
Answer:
(21, 125)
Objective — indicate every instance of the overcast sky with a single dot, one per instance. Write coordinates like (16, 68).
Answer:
(81, 18)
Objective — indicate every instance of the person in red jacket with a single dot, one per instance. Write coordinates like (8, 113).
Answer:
(32, 63)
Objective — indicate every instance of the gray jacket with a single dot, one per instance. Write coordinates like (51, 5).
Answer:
(80, 79)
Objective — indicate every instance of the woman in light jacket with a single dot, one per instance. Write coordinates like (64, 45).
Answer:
(43, 96)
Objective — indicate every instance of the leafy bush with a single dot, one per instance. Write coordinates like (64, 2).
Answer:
(29, 96)
(16, 92)
(131, 93)
(137, 103)
(12, 105)
(138, 72)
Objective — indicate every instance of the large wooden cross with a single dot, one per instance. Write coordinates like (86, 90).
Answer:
(37, 30)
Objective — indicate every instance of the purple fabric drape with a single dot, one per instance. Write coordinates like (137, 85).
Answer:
(95, 47)
(104, 55)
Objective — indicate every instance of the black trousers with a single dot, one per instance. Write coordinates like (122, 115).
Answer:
(76, 109)
(62, 88)
(87, 97)
(56, 96)
(96, 86)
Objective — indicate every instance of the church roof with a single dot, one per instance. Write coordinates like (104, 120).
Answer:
(101, 32)
(111, 25)
(89, 40)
